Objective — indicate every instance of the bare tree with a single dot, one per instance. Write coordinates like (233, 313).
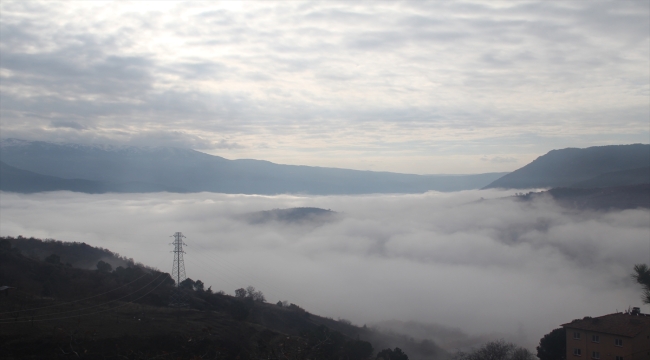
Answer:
(496, 350)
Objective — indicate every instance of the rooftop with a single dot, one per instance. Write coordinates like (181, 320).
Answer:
(622, 324)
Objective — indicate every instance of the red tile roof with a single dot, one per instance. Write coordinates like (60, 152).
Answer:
(615, 324)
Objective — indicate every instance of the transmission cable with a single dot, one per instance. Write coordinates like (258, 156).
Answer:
(92, 313)
(72, 302)
(101, 304)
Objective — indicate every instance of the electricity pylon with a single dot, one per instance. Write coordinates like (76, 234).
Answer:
(178, 298)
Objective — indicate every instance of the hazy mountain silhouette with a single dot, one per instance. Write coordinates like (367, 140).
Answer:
(184, 170)
(617, 178)
(605, 198)
(23, 181)
(566, 167)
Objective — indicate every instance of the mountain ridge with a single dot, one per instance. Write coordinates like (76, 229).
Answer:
(566, 167)
(193, 171)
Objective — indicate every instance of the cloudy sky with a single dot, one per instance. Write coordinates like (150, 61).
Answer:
(420, 87)
(492, 269)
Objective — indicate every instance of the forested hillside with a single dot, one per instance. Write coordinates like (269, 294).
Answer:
(57, 308)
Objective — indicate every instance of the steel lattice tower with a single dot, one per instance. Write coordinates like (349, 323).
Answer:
(178, 298)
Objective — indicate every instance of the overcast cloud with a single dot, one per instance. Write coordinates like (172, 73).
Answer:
(420, 87)
(463, 268)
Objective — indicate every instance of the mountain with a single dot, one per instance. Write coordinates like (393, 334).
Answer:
(617, 178)
(24, 181)
(14, 179)
(184, 170)
(605, 198)
(566, 167)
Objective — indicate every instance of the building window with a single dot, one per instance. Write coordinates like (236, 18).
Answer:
(618, 342)
(576, 335)
(577, 352)
(595, 338)
(595, 355)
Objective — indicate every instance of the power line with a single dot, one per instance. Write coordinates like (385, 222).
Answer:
(72, 302)
(236, 273)
(92, 313)
(98, 305)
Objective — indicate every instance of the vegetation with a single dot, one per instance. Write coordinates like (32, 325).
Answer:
(642, 276)
(621, 197)
(61, 311)
(553, 345)
(388, 354)
(496, 350)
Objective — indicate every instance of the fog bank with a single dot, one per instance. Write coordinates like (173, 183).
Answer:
(457, 267)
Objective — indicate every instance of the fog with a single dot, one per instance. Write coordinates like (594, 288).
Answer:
(459, 268)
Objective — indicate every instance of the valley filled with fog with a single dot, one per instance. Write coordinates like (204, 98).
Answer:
(458, 268)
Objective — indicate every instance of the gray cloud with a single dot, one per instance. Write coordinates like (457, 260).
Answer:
(282, 73)
(67, 124)
(491, 268)
(499, 159)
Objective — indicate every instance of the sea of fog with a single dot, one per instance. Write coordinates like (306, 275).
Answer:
(459, 268)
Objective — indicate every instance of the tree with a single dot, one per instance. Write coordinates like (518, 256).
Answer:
(53, 259)
(553, 345)
(254, 295)
(388, 354)
(642, 276)
(104, 267)
(199, 286)
(358, 350)
(187, 284)
(240, 293)
(521, 354)
(496, 350)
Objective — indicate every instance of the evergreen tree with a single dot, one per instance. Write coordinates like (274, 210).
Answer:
(642, 276)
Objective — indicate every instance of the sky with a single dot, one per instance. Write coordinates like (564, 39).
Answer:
(415, 87)
(444, 266)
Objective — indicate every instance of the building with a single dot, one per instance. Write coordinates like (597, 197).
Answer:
(620, 336)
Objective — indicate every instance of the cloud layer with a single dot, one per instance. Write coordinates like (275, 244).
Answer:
(391, 86)
(490, 267)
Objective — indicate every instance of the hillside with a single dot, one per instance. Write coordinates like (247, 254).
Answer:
(617, 178)
(17, 180)
(184, 170)
(24, 181)
(618, 197)
(60, 311)
(566, 167)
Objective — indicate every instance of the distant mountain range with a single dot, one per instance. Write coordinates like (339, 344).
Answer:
(33, 166)
(17, 180)
(593, 167)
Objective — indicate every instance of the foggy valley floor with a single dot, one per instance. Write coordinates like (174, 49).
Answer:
(468, 266)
